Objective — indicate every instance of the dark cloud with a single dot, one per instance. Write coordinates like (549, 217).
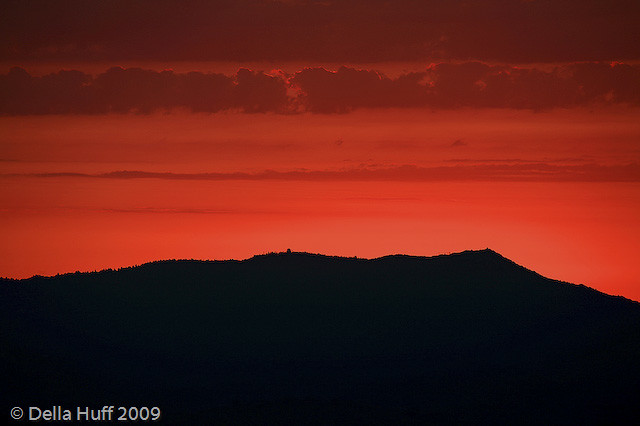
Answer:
(317, 90)
(328, 30)
(534, 171)
(62, 92)
(616, 82)
(259, 92)
(136, 90)
(470, 84)
(346, 89)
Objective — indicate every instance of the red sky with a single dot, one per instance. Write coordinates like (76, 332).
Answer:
(326, 30)
(135, 131)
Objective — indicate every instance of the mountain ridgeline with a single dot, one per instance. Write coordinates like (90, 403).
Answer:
(298, 338)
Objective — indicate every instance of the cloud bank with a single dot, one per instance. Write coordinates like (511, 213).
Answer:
(317, 90)
(515, 31)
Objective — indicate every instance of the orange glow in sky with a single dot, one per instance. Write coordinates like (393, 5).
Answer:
(133, 131)
(556, 191)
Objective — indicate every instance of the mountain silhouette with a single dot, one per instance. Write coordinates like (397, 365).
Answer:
(301, 338)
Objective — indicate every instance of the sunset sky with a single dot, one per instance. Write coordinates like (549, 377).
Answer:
(133, 131)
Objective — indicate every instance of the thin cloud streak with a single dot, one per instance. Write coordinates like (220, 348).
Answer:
(525, 172)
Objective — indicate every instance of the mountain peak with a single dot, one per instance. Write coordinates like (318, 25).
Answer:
(403, 335)
(483, 252)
